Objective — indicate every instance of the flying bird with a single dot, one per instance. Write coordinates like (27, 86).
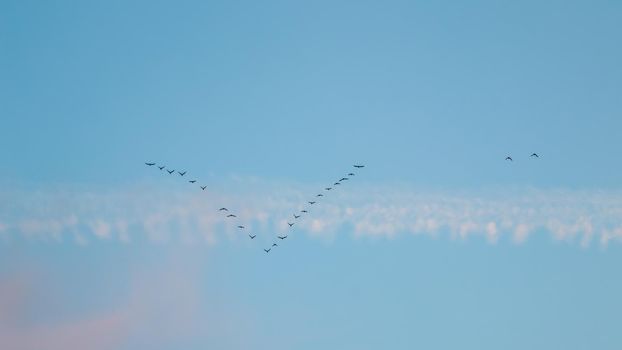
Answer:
(240, 226)
(296, 216)
(535, 155)
(509, 158)
(170, 171)
(281, 237)
(291, 224)
(231, 216)
(225, 209)
(343, 179)
(274, 245)
(182, 174)
(337, 183)
(252, 236)
(150, 164)
(203, 187)
(162, 167)
(304, 211)
(320, 195)
(192, 181)
(350, 174)
(358, 166)
(328, 188)
(267, 250)
(311, 202)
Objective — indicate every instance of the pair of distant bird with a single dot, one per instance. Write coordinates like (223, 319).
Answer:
(182, 173)
(532, 155)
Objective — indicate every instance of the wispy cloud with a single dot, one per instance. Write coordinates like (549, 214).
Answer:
(157, 310)
(142, 213)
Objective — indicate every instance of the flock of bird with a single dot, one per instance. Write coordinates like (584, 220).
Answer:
(297, 215)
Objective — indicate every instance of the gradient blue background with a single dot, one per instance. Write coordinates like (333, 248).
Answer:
(433, 94)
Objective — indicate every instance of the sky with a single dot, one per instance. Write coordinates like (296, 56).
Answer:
(438, 243)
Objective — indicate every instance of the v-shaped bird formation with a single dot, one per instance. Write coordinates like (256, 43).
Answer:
(297, 215)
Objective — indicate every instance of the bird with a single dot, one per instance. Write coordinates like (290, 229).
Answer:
(223, 209)
(350, 174)
(343, 179)
(240, 226)
(291, 224)
(274, 245)
(150, 164)
(508, 158)
(336, 183)
(328, 188)
(296, 216)
(203, 187)
(231, 216)
(311, 202)
(320, 195)
(281, 237)
(535, 155)
(252, 236)
(170, 171)
(182, 174)
(267, 250)
(162, 167)
(358, 166)
(304, 211)
(192, 181)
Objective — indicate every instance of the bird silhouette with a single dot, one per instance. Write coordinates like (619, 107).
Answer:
(274, 245)
(203, 187)
(336, 184)
(182, 174)
(192, 181)
(252, 236)
(358, 166)
(304, 211)
(223, 209)
(328, 188)
(291, 224)
(535, 155)
(311, 202)
(170, 171)
(350, 174)
(320, 195)
(296, 216)
(161, 167)
(343, 179)
(281, 237)
(267, 250)
(231, 216)
(150, 164)
(508, 158)
(240, 226)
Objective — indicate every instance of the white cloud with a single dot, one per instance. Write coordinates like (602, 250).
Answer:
(132, 215)
(100, 228)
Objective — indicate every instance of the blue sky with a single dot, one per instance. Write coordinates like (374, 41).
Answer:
(438, 243)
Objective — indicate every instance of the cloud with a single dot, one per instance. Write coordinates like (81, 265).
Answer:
(131, 215)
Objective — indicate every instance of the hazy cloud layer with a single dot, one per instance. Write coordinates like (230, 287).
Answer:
(145, 213)
(163, 305)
